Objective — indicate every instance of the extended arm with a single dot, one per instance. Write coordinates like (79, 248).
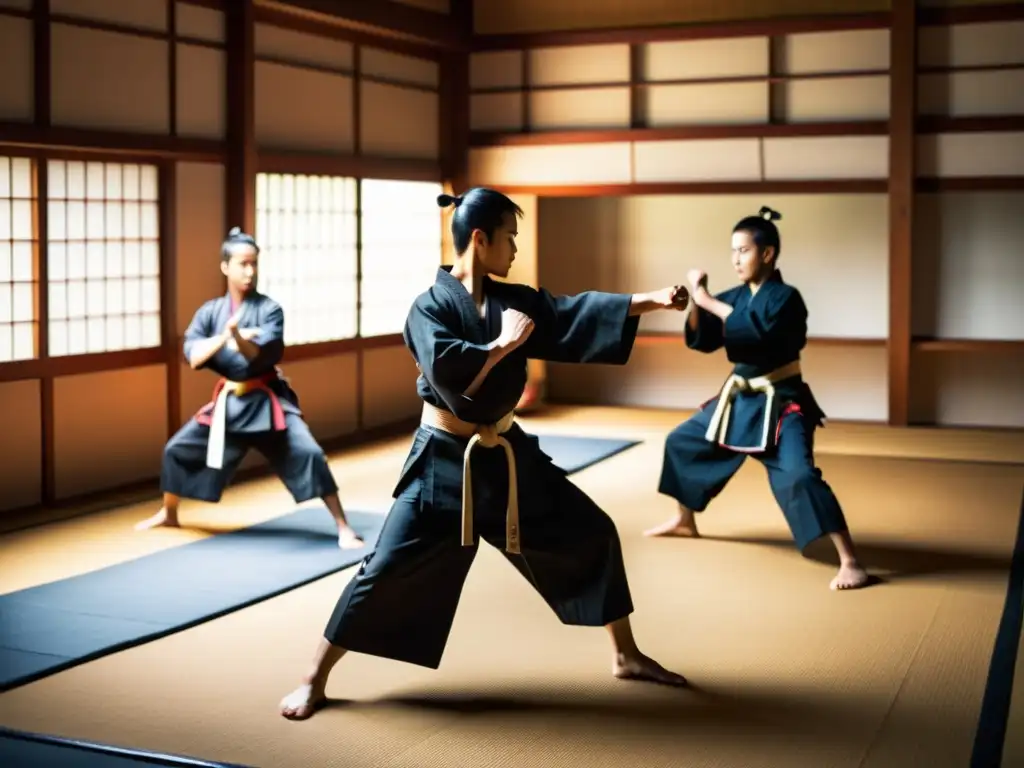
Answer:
(590, 327)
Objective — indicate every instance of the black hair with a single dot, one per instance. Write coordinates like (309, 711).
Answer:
(236, 237)
(762, 229)
(479, 208)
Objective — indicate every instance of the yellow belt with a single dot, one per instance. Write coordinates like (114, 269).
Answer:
(734, 385)
(489, 436)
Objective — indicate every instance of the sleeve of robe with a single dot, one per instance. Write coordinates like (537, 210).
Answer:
(200, 329)
(231, 363)
(589, 327)
(782, 317)
(707, 337)
(448, 363)
(270, 340)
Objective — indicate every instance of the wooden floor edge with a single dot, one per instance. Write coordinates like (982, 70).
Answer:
(143, 490)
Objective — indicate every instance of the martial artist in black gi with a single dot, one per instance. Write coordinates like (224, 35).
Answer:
(765, 409)
(473, 473)
(240, 337)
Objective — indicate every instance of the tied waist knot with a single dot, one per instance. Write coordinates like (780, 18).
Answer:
(718, 428)
(486, 436)
(214, 413)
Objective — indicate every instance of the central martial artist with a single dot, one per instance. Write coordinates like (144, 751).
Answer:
(473, 473)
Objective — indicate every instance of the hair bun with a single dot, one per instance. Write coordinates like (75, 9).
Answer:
(444, 201)
(235, 232)
(769, 214)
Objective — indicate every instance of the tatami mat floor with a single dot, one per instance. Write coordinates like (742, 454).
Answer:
(787, 673)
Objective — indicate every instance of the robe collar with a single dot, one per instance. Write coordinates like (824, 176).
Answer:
(774, 277)
(249, 305)
(464, 304)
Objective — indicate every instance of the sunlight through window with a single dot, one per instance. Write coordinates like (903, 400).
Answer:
(18, 276)
(306, 231)
(103, 241)
(401, 239)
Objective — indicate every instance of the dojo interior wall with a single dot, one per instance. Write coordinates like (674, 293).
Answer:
(602, 221)
(115, 71)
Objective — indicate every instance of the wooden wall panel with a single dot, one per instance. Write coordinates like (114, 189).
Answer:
(21, 450)
(288, 46)
(396, 67)
(836, 99)
(328, 393)
(705, 59)
(966, 45)
(708, 160)
(389, 386)
(109, 428)
(956, 389)
(303, 109)
(199, 23)
(706, 104)
(16, 61)
(109, 80)
(201, 92)
(396, 121)
(968, 271)
(499, 112)
(148, 15)
(972, 94)
(566, 164)
(971, 155)
(827, 157)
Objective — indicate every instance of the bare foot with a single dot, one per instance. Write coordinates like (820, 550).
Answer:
(675, 527)
(349, 539)
(161, 519)
(636, 666)
(303, 702)
(850, 576)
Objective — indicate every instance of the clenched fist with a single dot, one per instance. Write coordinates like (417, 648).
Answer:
(697, 278)
(673, 297)
(515, 329)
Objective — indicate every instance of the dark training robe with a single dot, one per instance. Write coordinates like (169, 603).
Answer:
(266, 417)
(764, 335)
(401, 603)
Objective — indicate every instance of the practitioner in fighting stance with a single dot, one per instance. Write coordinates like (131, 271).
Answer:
(240, 336)
(765, 409)
(473, 473)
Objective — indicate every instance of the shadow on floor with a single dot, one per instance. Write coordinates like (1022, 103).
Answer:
(895, 560)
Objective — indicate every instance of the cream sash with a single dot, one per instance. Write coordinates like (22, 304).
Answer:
(488, 436)
(718, 429)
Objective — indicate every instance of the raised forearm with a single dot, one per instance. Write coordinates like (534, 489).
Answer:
(495, 355)
(247, 349)
(203, 350)
(709, 303)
